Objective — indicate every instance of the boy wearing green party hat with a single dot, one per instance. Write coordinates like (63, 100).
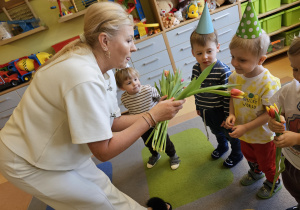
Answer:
(248, 117)
(213, 108)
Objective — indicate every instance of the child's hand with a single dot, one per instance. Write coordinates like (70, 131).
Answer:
(277, 127)
(287, 139)
(198, 112)
(229, 122)
(238, 131)
(223, 124)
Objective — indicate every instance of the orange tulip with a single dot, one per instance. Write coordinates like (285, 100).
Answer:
(166, 72)
(236, 93)
(271, 110)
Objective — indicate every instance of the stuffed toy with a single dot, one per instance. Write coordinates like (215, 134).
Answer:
(192, 10)
(178, 15)
(164, 7)
(201, 4)
(168, 20)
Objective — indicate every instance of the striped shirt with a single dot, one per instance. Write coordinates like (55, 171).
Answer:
(218, 76)
(142, 101)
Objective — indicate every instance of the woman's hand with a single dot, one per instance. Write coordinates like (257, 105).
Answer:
(277, 127)
(166, 109)
(287, 139)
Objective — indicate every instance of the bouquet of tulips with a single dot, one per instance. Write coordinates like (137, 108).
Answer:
(173, 86)
(279, 159)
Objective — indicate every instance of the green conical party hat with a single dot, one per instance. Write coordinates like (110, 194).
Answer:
(249, 27)
(205, 25)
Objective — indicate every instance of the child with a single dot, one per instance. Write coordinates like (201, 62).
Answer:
(213, 108)
(137, 99)
(288, 99)
(248, 117)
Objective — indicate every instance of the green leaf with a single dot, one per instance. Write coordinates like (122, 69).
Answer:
(196, 83)
(202, 90)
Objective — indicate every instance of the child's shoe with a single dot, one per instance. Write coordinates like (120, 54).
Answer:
(232, 161)
(293, 208)
(174, 162)
(217, 153)
(251, 177)
(153, 160)
(265, 190)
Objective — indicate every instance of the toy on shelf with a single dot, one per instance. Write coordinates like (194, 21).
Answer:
(25, 25)
(164, 7)
(200, 6)
(20, 70)
(192, 10)
(21, 16)
(178, 15)
(136, 10)
(62, 8)
(142, 31)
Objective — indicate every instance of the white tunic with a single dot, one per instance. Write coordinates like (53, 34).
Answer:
(65, 106)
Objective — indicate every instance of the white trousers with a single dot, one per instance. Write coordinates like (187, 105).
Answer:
(85, 187)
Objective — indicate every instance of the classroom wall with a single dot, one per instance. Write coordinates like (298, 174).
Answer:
(57, 32)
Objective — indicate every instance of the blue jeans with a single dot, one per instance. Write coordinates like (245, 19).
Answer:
(213, 119)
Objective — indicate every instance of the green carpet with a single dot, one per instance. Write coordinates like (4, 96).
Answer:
(197, 176)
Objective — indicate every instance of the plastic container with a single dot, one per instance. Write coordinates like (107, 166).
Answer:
(272, 23)
(289, 35)
(287, 1)
(255, 5)
(291, 16)
(275, 45)
(268, 5)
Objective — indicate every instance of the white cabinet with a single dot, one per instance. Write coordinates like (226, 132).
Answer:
(8, 103)
(225, 22)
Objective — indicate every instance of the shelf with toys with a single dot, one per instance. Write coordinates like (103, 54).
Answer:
(21, 21)
(280, 20)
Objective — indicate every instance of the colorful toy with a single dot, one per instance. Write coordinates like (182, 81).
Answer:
(21, 69)
(178, 15)
(200, 6)
(192, 11)
(26, 25)
(64, 11)
(164, 7)
(168, 20)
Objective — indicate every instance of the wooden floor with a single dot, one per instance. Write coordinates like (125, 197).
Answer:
(11, 198)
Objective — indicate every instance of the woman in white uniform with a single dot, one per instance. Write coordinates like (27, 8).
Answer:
(70, 111)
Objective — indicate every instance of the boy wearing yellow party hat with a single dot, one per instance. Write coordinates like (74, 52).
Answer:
(213, 108)
(248, 117)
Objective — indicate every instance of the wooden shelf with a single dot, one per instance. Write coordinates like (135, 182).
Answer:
(278, 52)
(22, 35)
(282, 7)
(283, 28)
(71, 16)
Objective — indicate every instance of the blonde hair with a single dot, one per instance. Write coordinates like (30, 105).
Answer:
(295, 47)
(257, 46)
(124, 74)
(101, 17)
(202, 39)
